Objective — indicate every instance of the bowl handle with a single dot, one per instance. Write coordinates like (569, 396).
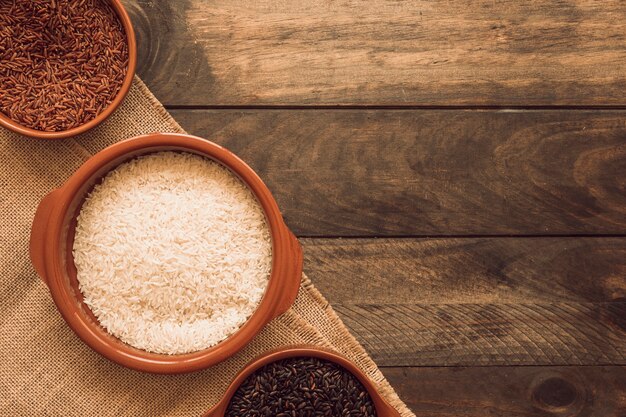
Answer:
(38, 234)
(292, 277)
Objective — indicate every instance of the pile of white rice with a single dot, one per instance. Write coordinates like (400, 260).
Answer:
(173, 252)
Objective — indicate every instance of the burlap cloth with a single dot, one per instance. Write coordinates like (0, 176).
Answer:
(45, 369)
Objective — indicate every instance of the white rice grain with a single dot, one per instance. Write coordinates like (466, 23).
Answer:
(172, 252)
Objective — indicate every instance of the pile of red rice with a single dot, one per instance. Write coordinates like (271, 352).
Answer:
(62, 62)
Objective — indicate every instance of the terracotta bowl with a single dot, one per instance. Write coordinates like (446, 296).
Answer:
(128, 80)
(52, 238)
(383, 409)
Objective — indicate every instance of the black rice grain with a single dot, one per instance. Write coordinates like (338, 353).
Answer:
(301, 387)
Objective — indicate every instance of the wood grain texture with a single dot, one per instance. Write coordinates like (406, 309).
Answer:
(169, 60)
(435, 172)
(467, 270)
(497, 301)
(592, 391)
(237, 52)
(489, 334)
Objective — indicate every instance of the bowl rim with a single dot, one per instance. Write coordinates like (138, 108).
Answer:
(282, 287)
(383, 408)
(16, 127)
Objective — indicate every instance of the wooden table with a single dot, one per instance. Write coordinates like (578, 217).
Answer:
(456, 171)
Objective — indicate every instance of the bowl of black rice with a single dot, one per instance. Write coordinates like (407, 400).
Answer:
(302, 381)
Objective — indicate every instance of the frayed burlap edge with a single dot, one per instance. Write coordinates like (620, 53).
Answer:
(347, 344)
(176, 128)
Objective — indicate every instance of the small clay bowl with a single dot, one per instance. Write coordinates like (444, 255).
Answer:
(383, 409)
(52, 238)
(128, 80)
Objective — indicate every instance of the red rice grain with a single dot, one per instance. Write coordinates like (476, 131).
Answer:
(62, 62)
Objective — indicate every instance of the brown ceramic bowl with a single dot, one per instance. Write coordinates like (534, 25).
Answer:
(52, 238)
(128, 80)
(383, 409)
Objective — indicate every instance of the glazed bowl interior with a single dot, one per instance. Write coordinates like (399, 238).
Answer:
(69, 284)
(13, 125)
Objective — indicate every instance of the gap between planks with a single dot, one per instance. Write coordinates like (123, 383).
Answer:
(608, 107)
(480, 236)
(479, 366)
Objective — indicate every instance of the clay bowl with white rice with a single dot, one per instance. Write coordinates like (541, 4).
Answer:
(165, 253)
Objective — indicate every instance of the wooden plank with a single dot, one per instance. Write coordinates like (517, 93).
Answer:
(467, 270)
(489, 334)
(505, 301)
(432, 172)
(512, 391)
(237, 52)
